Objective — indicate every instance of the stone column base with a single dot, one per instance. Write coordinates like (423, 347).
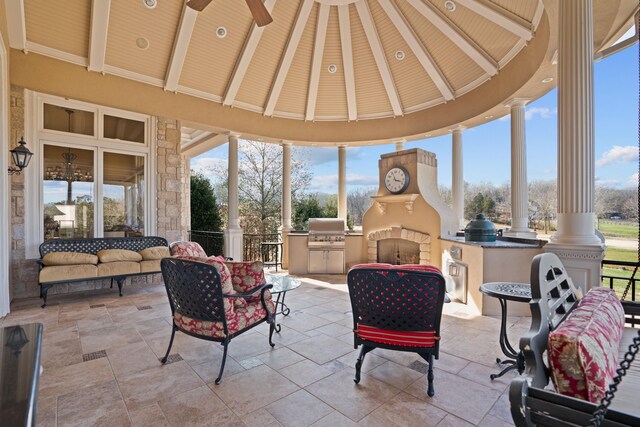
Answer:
(583, 263)
(284, 232)
(233, 243)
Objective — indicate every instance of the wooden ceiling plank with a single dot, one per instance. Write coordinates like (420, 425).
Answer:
(287, 56)
(418, 49)
(16, 24)
(500, 16)
(347, 61)
(457, 36)
(180, 48)
(98, 39)
(378, 54)
(316, 62)
(249, 48)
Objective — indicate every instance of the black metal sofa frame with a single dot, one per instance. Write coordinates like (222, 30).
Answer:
(552, 300)
(92, 246)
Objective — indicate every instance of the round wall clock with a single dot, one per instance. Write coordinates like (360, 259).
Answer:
(396, 180)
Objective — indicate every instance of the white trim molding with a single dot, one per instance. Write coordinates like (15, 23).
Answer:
(5, 198)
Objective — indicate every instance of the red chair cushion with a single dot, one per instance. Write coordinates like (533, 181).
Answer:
(399, 338)
(414, 267)
(241, 318)
(193, 249)
(583, 350)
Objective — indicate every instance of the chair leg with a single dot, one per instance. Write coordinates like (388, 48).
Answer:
(363, 353)
(120, 281)
(166, 356)
(272, 327)
(430, 390)
(224, 359)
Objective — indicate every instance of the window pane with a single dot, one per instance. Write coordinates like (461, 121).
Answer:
(123, 129)
(68, 193)
(123, 195)
(68, 120)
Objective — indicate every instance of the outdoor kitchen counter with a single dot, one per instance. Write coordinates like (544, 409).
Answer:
(299, 251)
(505, 260)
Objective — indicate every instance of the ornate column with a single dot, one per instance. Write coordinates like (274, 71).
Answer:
(342, 182)
(233, 232)
(457, 176)
(576, 242)
(286, 202)
(519, 187)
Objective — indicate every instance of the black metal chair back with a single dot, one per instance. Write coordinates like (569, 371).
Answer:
(194, 289)
(402, 300)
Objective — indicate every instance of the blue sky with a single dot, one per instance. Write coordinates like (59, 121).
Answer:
(486, 148)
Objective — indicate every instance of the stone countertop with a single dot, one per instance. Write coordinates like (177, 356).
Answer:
(501, 243)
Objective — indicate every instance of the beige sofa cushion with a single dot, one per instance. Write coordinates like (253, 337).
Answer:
(116, 255)
(150, 266)
(69, 258)
(154, 253)
(118, 268)
(60, 273)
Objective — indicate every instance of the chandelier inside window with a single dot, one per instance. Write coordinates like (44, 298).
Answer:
(68, 172)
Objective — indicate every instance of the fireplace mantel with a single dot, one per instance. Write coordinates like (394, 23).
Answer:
(407, 199)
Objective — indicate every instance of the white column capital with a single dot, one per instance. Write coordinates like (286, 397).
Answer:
(457, 129)
(286, 143)
(517, 102)
(342, 146)
(235, 135)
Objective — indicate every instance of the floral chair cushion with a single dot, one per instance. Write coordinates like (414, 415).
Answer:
(193, 249)
(225, 280)
(583, 350)
(241, 318)
(246, 276)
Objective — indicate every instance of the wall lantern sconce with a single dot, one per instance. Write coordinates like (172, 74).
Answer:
(21, 157)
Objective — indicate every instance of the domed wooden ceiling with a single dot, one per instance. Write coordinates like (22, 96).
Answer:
(318, 61)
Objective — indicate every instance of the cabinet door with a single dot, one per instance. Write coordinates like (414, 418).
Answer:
(335, 262)
(317, 261)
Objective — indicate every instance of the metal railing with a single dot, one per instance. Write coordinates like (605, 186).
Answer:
(617, 274)
(211, 241)
(252, 245)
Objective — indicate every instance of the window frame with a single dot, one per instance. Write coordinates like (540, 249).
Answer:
(34, 176)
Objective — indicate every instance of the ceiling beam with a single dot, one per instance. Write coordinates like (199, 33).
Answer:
(456, 35)
(287, 57)
(378, 54)
(500, 16)
(204, 142)
(347, 61)
(249, 48)
(99, 29)
(180, 47)
(316, 63)
(418, 49)
(16, 25)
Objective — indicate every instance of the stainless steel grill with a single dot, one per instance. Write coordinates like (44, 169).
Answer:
(326, 245)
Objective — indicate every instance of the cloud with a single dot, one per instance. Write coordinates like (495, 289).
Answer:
(632, 181)
(607, 182)
(315, 156)
(617, 154)
(329, 183)
(205, 164)
(530, 113)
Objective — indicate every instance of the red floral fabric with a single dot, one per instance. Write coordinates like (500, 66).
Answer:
(192, 249)
(246, 276)
(583, 350)
(241, 318)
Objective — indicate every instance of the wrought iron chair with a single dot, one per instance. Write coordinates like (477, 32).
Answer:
(397, 308)
(204, 304)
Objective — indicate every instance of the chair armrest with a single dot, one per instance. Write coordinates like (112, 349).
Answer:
(250, 292)
(40, 264)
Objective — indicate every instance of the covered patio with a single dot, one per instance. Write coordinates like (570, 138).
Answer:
(115, 97)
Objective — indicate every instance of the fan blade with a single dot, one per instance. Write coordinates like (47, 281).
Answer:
(259, 12)
(198, 4)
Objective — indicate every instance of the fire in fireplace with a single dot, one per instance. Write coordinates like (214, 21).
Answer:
(398, 251)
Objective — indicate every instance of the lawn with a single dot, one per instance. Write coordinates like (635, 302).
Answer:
(618, 229)
(620, 274)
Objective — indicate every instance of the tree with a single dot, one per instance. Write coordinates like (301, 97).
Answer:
(358, 201)
(260, 184)
(543, 202)
(480, 204)
(305, 208)
(205, 214)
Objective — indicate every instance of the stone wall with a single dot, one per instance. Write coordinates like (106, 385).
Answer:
(172, 183)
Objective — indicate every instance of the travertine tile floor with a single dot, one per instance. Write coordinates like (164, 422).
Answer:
(307, 379)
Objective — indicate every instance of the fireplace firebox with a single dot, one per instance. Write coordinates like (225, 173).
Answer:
(398, 251)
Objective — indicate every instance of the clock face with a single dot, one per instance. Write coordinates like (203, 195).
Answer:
(396, 180)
